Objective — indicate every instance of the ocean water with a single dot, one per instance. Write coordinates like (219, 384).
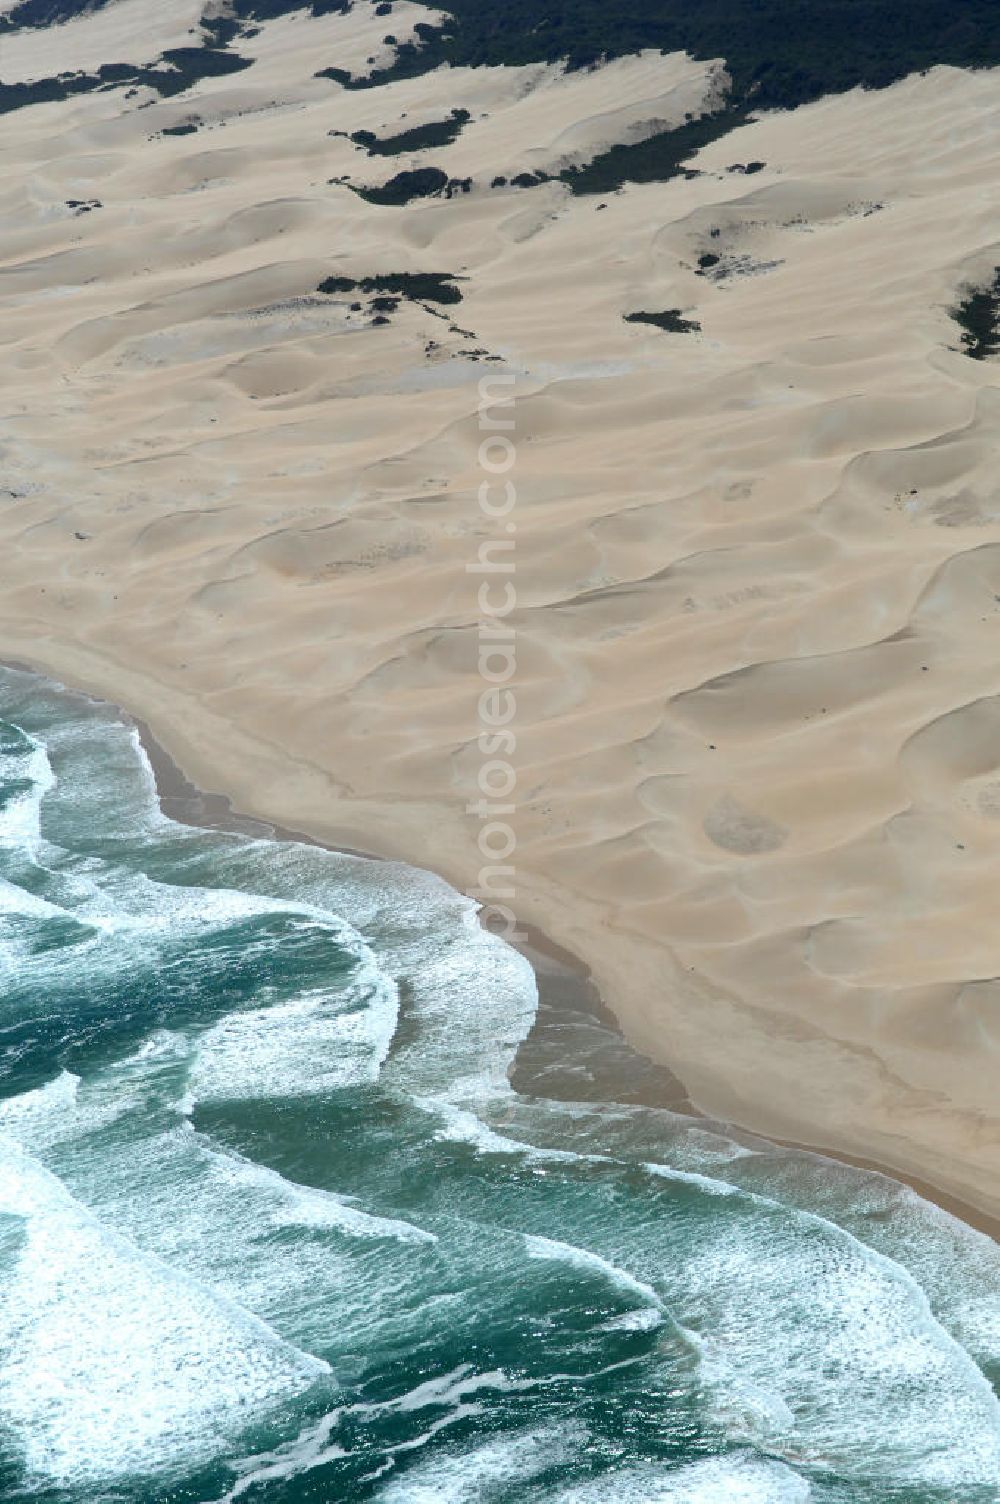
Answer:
(275, 1224)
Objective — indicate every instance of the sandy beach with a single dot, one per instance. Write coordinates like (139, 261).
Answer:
(757, 563)
(565, 985)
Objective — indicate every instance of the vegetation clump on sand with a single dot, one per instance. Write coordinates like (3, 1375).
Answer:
(172, 72)
(418, 287)
(978, 316)
(671, 319)
(35, 13)
(267, 10)
(654, 160)
(342, 76)
(417, 138)
(420, 182)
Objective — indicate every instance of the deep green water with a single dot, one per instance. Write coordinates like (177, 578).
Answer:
(274, 1225)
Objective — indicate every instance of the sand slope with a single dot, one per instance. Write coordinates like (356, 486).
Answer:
(758, 569)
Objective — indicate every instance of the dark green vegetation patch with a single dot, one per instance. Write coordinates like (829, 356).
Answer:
(30, 14)
(172, 72)
(34, 14)
(184, 66)
(268, 10)
(419, 287)
(671, 319)
(421, 182)
(654, 160)
(417, 138)
(779, 53)
(341, 76)
(978, 316)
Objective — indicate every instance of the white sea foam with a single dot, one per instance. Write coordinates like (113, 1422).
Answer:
(17, 941)
(775, 1297)
(125, 901)
(474, 1474)
(461, 1125)
(284, 1203)
(957, 1267)
(115, 1364)
(15, 901)
(645, 1319)
(931, 1243)
(68, 1109)
(707, 1183)
(44, 1115)
(317, 1042)
(453, 1387)
(716, 1480)
(311, 1449)
(20, 820)
(815, 1344)
(151, 804)
(582, 1258)
(315, 1445)
(308, 1261)
(473, 998)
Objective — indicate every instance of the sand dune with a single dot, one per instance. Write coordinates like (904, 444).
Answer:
(758, 567)
(129, 31)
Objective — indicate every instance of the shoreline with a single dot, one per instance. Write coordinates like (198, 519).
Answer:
(182, 800)
(554, 965)
(561, 977)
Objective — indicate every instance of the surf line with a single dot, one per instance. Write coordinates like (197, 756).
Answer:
(495, 566)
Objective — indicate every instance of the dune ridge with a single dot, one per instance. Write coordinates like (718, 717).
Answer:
(758, 567)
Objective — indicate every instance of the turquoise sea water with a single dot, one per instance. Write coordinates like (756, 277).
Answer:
(274, 1224)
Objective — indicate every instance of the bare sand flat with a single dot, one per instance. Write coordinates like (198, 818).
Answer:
(757, 566)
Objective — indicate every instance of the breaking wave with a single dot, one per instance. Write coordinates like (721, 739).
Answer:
(275, 1226)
